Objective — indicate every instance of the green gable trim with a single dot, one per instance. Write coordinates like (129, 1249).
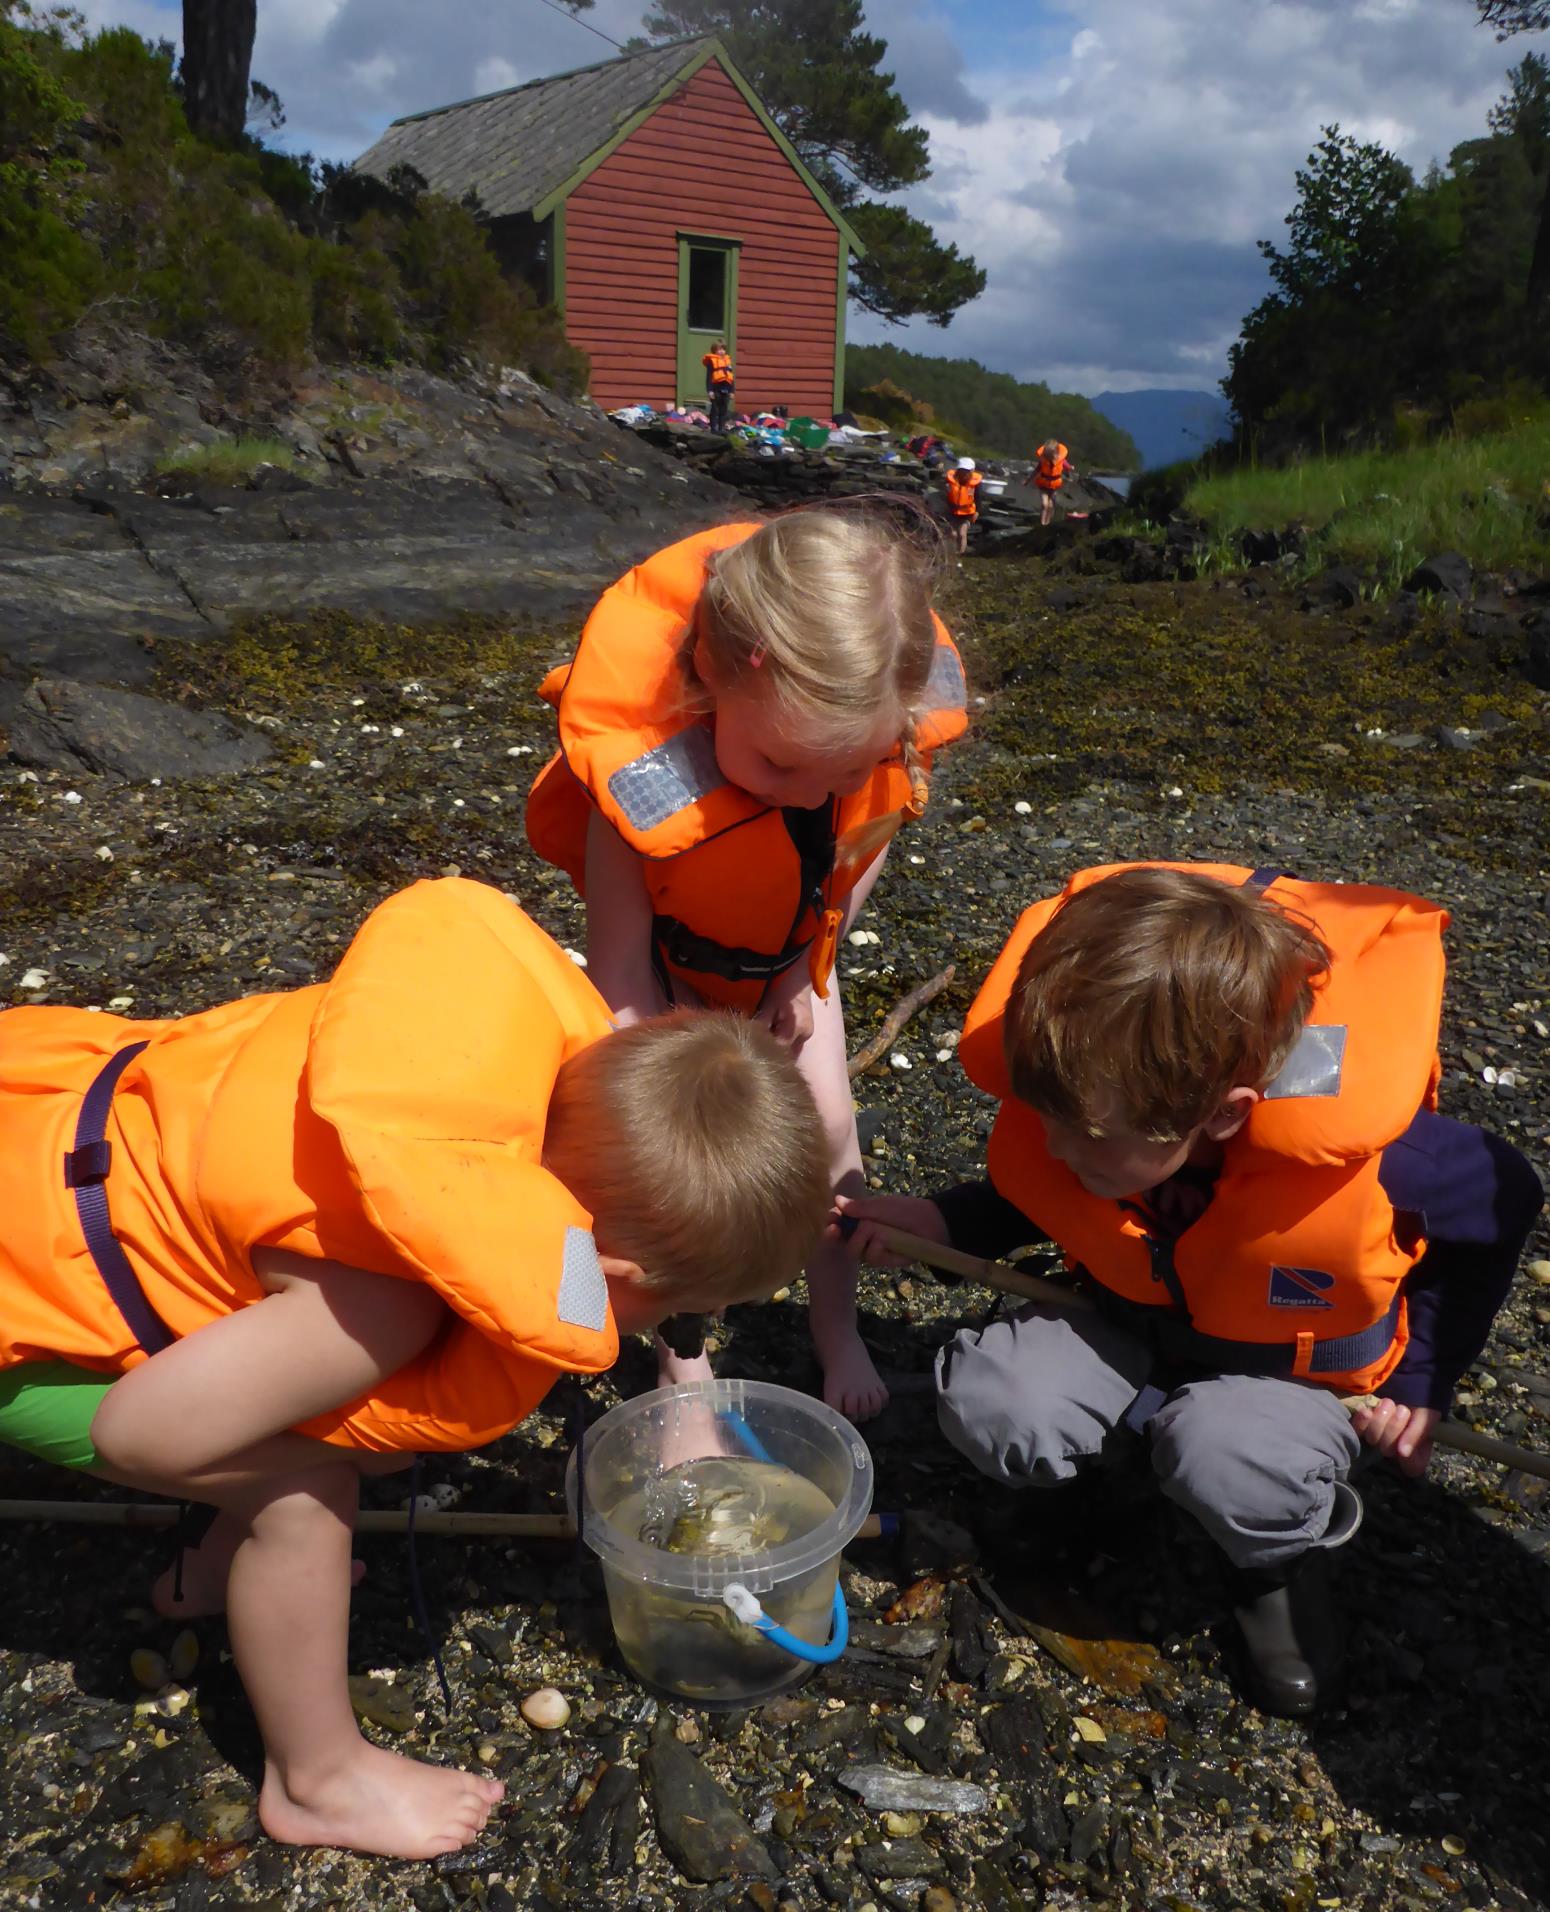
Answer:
(557, 258)
(841, 295)
(712, 51)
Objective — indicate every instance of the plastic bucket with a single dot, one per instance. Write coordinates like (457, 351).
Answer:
(677, 1615)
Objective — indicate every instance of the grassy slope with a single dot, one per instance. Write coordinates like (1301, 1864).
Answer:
(1387, 511)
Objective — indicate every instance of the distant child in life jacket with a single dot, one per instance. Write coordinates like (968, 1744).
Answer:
(962, 505)
(1051, 470)
(748, 720)
(353, 1221)
(719, 384)
(1217, 1091)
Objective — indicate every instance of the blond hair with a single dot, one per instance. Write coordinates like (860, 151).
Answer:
(1150, 994)
(697, 1147)
(827, 611)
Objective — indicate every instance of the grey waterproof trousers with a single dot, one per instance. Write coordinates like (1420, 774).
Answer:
(1032, 1397)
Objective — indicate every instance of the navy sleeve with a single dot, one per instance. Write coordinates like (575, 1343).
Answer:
(1475, 1198)
(981, 1221)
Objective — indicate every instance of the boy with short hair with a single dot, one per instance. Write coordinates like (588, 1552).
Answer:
(1218, 1091)
(349, 1222)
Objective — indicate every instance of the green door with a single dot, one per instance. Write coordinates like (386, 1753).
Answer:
(707, 308)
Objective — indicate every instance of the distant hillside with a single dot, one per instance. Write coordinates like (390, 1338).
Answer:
(1167, 425)
(1000, 411)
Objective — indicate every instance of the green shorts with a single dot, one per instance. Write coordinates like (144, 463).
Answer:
(47, 1407)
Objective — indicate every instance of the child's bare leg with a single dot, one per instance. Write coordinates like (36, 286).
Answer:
(288, 1610)
(851, 1382)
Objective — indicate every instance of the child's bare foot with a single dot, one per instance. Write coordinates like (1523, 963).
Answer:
(204, 1574)
(851, 1383)
(379, 1802)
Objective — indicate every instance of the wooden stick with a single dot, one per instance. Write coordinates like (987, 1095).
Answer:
(897, 1017)
(990, 1274)
(1012, 1281)
(161, 1514)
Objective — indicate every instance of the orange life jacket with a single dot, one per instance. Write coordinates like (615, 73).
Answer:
(391, 1119)
(961, 487)
(735, 897)
(1295, 1266)
(720, 367)
(1051, 472)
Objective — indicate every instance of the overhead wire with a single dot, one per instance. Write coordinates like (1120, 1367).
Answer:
(555, 7)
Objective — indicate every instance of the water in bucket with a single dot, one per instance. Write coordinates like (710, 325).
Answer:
(689, 1491)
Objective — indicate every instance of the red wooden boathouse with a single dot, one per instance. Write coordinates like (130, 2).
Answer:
(657, 203)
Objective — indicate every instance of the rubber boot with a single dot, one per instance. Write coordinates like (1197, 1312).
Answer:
(1293, 1641)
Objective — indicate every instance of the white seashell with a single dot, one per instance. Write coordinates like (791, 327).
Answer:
(1023, 809)
(104, 854)
(72, 796)
(900, 1061)
(33, 978)
(317, 763)
(121, 1002)
(577, 958)
(547, 1709)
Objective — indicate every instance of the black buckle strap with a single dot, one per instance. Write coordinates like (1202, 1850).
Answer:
(86, 1172)
(687, 949)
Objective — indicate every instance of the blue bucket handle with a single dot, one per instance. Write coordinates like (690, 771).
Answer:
(747, 1607)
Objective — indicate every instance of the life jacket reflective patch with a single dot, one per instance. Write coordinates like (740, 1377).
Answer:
(667, 778)
(1300, 1288)
(946, 686)
(1316, 1065)
(583, 1298)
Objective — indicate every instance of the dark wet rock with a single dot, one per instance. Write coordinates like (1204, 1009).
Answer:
(60, 725)
(1338, 588)
(970, 1655)
(1265, 547)
(1015, 1738)
(698, 1826)
(1449, 574)
(610, 1821)
(899, 1859)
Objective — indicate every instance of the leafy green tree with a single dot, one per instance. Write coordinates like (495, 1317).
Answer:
(1527, 16)
(1514, 16)
(820, 75)
(1344, 230)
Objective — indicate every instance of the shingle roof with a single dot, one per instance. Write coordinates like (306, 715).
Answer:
(515, 148)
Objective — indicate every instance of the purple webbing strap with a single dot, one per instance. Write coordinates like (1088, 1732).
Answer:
(86, 1173)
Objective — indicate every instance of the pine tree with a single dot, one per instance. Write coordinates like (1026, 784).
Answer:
(820, 75)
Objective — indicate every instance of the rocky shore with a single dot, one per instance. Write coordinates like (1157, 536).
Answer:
(1065, 1656)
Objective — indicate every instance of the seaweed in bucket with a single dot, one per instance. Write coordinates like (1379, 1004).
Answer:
(729, 1509)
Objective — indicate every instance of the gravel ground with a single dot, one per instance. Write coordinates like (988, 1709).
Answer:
(1068, 1654)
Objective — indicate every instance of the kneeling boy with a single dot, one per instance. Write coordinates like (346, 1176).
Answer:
(1217, 1097)
(353, 1221)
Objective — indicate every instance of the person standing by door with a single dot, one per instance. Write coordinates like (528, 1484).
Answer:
(719, 383)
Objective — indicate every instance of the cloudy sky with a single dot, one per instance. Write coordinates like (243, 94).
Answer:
(1110, 162)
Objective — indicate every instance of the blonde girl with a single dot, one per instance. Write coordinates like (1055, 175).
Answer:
(748, 719)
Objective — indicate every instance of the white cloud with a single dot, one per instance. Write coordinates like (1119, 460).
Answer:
(1115, 195)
